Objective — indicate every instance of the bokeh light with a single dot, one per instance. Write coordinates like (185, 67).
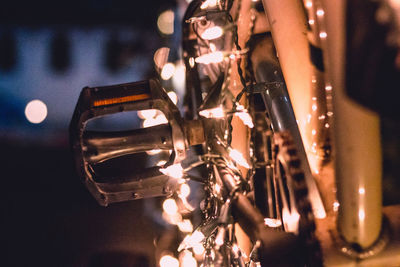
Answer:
(168, 261)
(36, 111)
(165, 22)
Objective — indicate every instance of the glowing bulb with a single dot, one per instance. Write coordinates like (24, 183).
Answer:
(179, 78)
(213, 48)
(153, 152)
(313, 132)
(217, 188)
(160, 119)
(235, 248)
(219, 239)
(209, 3)
(214, 57)
(361, 215)
(215, 113)
(320, 12)
(291, 220)
(328, 88)
(170, 207)
(36, 111)
(336, 206)
(190, 241)
(272, 222)
(323, 35)
(174, 171)
(188, 260)
(361, 190)
(238, 158)
(185, 226)
(212, 33)
(198, 249)
(191, 62)
(174, 98)
(245, 118)
(314, 107)
(185, 190)
(165, 22)
(161, 162)
(167, 71)
(308, 4)
(311, 22)
(197, 237)
(147, 113)
(169, 261)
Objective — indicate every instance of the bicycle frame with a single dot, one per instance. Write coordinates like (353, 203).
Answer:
(337, 140)
(356, 166)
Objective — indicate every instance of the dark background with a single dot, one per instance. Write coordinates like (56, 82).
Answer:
(48, 218)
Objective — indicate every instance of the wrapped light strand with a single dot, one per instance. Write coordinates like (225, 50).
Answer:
(219, 112)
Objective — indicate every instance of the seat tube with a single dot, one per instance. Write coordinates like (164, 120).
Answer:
(358, 156)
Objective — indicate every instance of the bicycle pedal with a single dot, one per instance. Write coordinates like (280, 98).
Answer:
(92, 148)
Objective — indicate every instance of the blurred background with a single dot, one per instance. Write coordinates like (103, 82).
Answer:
(49, 51)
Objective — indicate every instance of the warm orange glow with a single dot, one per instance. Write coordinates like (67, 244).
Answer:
(118, 100)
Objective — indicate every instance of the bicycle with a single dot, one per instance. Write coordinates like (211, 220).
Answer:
(259, 175)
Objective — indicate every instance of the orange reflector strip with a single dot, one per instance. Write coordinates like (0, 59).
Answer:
(129, 98)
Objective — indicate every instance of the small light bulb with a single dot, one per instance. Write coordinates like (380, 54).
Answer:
(169, 261)
(170, 207)
(215, 113)
(185, 190)
(174, 171)
(214, 57)
(167, 71)
(238, 158)
(212, 33)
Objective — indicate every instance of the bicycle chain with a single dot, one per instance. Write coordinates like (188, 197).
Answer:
(285, 146)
